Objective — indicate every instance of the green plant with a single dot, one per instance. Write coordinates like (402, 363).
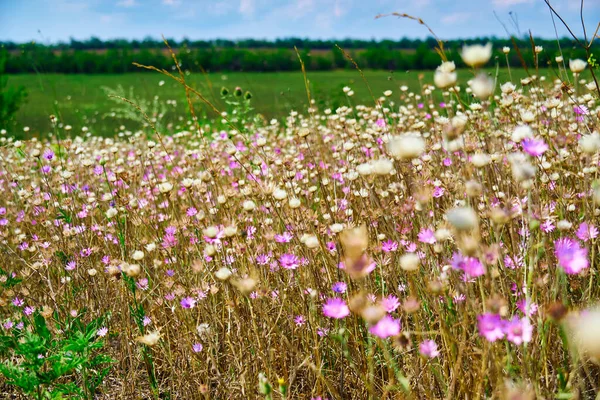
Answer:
(51, 365)
(11, 98)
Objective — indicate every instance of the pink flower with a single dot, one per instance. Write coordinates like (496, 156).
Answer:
(427, 236)
(518, 330)
(571, 257)
(390, 303)
(490, 326)
(428, 348)
(586, 232)
(534, 147)
(286, 237)
(335, 308)
(289, 261)
(389, 246)
(386, 327)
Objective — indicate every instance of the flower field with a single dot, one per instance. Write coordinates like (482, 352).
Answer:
(402, 248)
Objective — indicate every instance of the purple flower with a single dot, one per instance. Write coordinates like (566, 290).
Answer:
(490, 326)
(390, 303)
(286, 237)
(389, 246)
(586, 232)
(102, 331)
(142, 284)
(534, 147)
(386, 327)
(335, 308)
(299, 320)
(289, 261)
(17, 302)
(428, 348)
(471, 266)
(427, 236)
(28, 310)
(71, 265)
(197, 347)
(188, 302)
(339, 287)
(518, 330)
(571, 257)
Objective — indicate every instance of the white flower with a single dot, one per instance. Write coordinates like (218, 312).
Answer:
(462, 218)
(312, 242)
(444, 80)
(111, 212)
(590, 144)
(577, 66)
(211, 232)
(137, 255)
(382, 166)
(559, 59)
(409, 262)
(480, 159)
(506, 49)
(521, 132)
(482, 86)
(279, 194)
(249, 205)
(407, 146)
(508, 87)
(165, 187)
(476, 55)
(223, 274)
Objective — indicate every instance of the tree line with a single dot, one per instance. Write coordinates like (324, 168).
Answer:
(94, 56)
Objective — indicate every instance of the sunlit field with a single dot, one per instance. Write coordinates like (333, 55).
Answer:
(82, 101)
(428, 237)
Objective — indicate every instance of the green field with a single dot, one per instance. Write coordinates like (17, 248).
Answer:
(79, 100)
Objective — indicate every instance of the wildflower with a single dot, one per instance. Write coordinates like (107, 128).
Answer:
(577, 65)
(149, 339)
(299, 320)
(389, 246)
(518, 330)
(409, 262)
(335, 308)
(490, 326)
(445, 75)
(407, 146)
(197, 347)
(428, 348)
(586, 232)
(289, 261)
(386, 327)
(476, 55)
(462, 218)
(223, 274)
(571, 257)
(390, 303)
(534, 147)
(586, 329)
(188, 302)
(482, 86)
(427, 235)
(339, 287)
(102, 331)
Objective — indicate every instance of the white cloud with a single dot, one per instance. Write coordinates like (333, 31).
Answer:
(246, 7)
(456, 18)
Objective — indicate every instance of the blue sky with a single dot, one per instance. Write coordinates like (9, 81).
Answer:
(54, 20)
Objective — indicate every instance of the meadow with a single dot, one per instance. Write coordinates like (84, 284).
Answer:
(432, 241)
(79, 100)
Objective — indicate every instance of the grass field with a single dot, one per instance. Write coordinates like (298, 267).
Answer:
(79, 100)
